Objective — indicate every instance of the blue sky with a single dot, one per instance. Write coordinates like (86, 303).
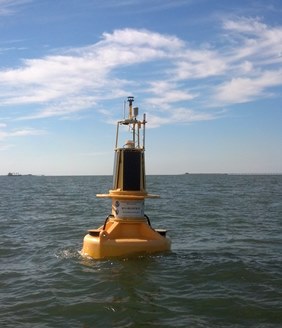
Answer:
(207, 74)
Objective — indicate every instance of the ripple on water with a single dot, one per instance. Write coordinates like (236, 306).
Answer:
(224, 269)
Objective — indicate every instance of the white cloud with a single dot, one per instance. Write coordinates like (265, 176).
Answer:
(240, 90)
(5, 133)
(64, 84)
(171, 74)
(254, 40)
(24, 133)
(195, 64)
(171, 93)
(252, 60)
(63, 108)
(245, 25)
(130, 37)
(9, 7)
(180, 116)
(54, 76)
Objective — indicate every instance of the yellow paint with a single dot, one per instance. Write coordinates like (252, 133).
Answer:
(123, 238)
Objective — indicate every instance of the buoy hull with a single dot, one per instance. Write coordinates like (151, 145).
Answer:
(124, 239)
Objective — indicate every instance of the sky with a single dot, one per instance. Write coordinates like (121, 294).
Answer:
(207, 73)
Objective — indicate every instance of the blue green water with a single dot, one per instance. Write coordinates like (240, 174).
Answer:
(224, 270)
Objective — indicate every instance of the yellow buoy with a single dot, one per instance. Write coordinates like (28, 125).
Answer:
(127, 230)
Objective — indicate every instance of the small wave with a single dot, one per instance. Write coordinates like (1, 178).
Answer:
(68, 253)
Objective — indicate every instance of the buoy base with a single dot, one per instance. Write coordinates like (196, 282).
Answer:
(124, 238)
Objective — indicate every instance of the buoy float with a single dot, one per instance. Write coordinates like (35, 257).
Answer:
(127, 230)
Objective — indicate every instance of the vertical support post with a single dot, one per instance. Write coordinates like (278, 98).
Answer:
(144, 123)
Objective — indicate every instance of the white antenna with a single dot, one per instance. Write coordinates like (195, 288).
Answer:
(124, 105)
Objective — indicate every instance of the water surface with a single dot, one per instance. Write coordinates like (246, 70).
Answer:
(224, 269)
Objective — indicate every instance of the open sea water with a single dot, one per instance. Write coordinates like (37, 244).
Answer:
(224, 269)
